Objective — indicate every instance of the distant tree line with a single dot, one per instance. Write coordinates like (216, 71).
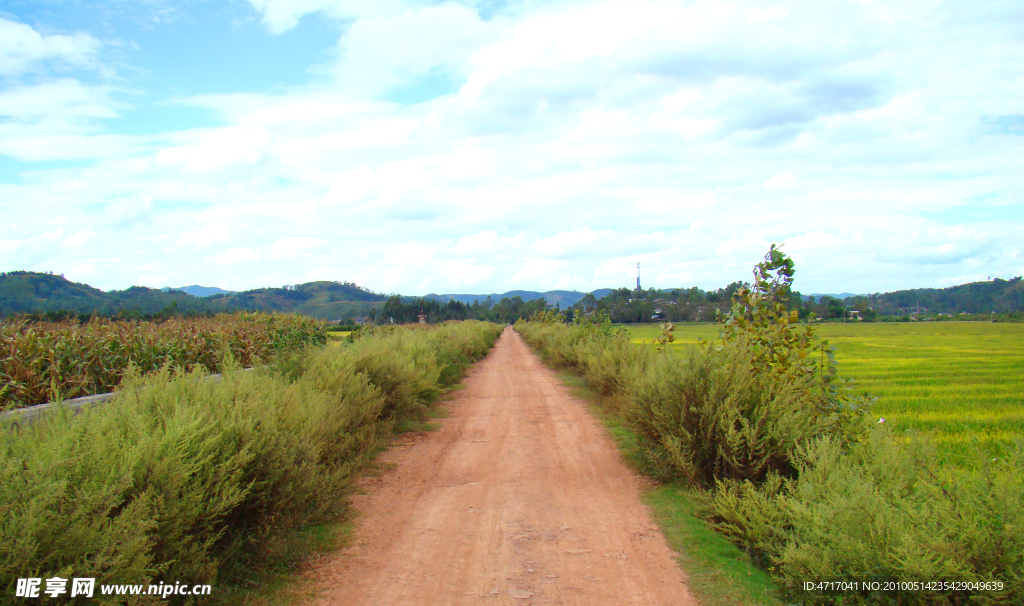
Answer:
(1005, 297)
(403, 311)
(627, 306)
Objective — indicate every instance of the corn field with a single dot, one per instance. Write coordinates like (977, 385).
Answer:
(40, 362)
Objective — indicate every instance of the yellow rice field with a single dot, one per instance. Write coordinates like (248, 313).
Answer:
(963, 382)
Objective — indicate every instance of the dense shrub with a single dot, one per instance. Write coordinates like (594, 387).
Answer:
(555, 342)
(612, 364)
(180, 478)
(710, 416)
(883, 511)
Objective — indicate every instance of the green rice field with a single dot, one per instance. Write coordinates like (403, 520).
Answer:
(962, 382)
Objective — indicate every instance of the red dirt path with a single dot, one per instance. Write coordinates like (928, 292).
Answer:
(520, 498)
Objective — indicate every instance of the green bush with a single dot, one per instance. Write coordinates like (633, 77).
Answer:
(711, 416)
(883, 511)
(192, 469)
(184, 479)
(555, 342)
(612, 364)
(457, 346)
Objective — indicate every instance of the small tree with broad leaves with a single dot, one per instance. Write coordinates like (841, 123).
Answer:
(778, 344)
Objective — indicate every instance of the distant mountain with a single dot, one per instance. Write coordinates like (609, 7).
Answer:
(33, 292)
(204, 291)
(562, 298)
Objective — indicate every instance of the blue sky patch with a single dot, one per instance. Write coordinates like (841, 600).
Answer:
(14, 171)
(151, 118)
(434, 83)
(1004, 125)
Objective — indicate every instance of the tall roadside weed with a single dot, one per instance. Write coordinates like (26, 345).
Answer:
(183, 479)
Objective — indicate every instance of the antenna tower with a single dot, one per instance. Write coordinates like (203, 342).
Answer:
(638, 275)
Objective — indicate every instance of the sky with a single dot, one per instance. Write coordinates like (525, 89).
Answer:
(481, 146)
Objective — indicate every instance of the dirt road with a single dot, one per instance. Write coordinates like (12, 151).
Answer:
(520, 498)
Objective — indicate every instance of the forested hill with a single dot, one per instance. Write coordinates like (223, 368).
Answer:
(33, 292)
(977, 297)
(324, 300)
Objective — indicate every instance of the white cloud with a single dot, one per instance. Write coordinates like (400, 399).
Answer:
(483, 242)
(60, 119)
(209, 234)
(22, 48)
(65, 98)
(537, 271)
(293, 248)
(10, 247)
(382, 52)
(573, 242)
(619, 271)
(810, 242)
(237, 255)
(352, 186)
(85, 271)
(218, 148)
(781, 181)
(760, 14)
(51, 236)
(77, 239)
(45, 113)
(729, 246)
(461, 273)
